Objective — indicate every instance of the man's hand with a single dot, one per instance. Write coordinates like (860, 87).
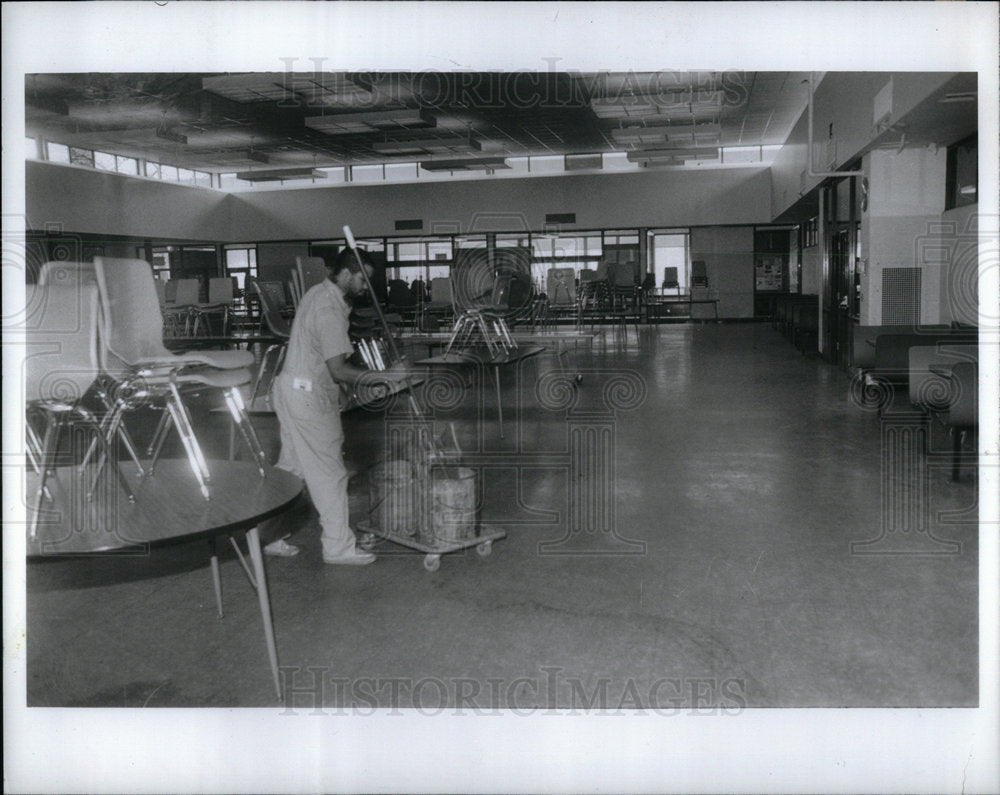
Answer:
(398, 373)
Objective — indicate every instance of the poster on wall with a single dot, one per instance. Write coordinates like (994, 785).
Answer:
(768, 273)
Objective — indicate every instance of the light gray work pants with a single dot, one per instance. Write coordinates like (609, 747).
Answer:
(311, 442)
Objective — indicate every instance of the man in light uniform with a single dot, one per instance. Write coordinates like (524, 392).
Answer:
(307, 401)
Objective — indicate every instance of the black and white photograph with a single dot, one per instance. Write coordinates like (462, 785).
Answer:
(501, 397)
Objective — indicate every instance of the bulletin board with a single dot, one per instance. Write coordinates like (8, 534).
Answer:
(768, 273)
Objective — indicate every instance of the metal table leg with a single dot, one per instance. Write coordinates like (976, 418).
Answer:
(253, 542)
(496, 373)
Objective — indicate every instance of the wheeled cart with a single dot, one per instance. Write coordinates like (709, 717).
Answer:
(433, 548)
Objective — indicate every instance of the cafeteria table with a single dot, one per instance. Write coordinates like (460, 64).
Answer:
(168, 509)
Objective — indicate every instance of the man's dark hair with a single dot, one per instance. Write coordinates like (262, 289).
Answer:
(346, 259)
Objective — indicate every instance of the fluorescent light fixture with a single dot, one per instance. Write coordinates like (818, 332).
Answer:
(580, 162)
(694, 132)
(673, 104)
(673, 156)
(640, 135)
(617, 109)
(427, 145)
(352, 123)
(249, 86)
(276, 174)
(482, 164)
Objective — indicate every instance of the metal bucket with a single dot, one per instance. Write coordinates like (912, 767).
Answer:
(392, 497)
(453, 504)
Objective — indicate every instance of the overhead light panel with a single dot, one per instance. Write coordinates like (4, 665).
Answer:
(694, 132)
(354, 123)
(639, 135)
(481, 164)
(278, 174)
(250, 86)
(427, 146)
(673, 156)
(583, 162)
(671, 105)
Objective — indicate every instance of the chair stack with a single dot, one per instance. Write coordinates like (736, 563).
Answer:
(62, 365)
(309, 271)
(221, 295)
(271, 295)
(147, 374)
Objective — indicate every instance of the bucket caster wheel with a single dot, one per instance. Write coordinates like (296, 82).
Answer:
(367, 541)
(432, 562)
(484, 549)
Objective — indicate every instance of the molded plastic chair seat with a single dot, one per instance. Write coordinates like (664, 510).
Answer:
(61, 366)
(67, 274)
(220, 300)
(136, 357)
(670, 280)
(222, 360)
(272, 299)
(133, 327)
(312, 271)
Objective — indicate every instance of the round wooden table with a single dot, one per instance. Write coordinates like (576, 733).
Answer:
(168, 508)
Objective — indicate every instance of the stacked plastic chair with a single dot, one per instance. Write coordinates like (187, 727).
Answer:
(272, 298)
(67, 274)
(147, 373)
(62, 365)
(311, 271)
(220, 300)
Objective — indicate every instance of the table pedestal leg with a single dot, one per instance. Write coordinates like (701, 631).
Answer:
(216, 578)
(253, 542)
(496, 372)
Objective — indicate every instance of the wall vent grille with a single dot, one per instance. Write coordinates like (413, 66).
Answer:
(900, 296)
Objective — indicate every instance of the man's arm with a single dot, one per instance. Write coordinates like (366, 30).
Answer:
(343, 372)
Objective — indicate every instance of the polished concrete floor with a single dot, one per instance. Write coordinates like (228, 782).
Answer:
(705, 522)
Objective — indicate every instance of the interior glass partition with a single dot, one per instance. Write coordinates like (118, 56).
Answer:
(670, 248)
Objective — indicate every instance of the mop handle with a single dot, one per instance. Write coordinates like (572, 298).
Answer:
(378, 309)
(385, 326)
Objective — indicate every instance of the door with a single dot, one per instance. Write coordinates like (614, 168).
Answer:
(840, 291)
(771, 256)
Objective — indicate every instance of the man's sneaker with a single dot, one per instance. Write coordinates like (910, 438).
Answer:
(355, 557)
(281, 549)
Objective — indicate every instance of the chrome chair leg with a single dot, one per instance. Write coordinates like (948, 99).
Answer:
(239, 413)
(106, 456)
(159, 437)
(49, 440)
(161, 430)
(197, 460)
(35, 453)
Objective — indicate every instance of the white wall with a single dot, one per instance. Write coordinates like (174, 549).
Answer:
(728, 256)
(275, 261)
(847, 101)
(900, 228)
(712, 201)
(648, 199)
(957, 256)
(812, 270)
(76, 199)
